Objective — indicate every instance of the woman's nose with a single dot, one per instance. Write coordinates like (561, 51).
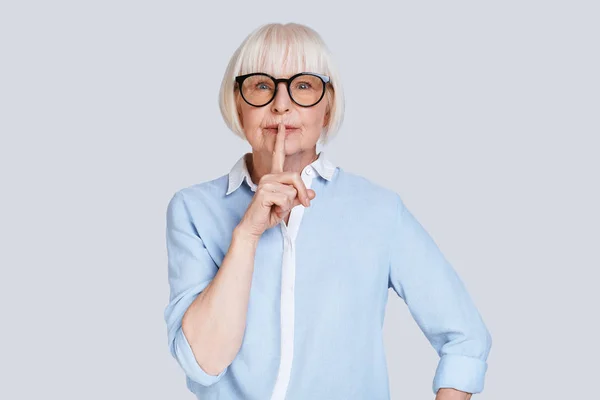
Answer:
(281, 102)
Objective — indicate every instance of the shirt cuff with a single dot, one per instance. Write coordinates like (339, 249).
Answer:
(460, 372)
(188, 363)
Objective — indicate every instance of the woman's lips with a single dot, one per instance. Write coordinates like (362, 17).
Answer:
(287, 130)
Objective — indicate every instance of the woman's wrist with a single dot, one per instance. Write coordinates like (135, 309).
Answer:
(242, 234)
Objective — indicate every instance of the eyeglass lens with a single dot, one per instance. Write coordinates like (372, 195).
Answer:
(304, 89)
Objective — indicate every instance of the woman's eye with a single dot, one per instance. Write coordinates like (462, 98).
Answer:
(303, 85)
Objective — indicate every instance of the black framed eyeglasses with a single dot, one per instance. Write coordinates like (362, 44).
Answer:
(305, 89)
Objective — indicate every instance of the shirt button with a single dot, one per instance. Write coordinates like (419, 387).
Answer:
(308, 171)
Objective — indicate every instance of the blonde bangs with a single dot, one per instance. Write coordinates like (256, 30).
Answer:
(282, 51)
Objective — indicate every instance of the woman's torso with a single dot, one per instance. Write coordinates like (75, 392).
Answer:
(340, 291)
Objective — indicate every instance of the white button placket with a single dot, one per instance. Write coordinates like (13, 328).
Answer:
(288, 278)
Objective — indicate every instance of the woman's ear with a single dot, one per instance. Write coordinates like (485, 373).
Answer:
(329, 97)
(327, 112)
(238, 108)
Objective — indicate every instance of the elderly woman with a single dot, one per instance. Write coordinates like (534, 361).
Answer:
(279, 271)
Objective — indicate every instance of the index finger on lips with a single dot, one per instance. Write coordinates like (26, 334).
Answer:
(279, 150)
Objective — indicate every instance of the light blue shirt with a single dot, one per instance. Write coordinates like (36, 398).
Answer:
(319, 290)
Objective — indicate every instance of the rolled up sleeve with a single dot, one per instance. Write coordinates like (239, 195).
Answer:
(190, 270)
(440, 304)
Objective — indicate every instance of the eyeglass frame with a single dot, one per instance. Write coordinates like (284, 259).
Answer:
(324, 78)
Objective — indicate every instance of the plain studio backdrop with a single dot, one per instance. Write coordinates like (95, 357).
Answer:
(483, 117)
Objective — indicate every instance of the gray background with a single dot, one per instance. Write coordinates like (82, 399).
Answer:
(484, 117)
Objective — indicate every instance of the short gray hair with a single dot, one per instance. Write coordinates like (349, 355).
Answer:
(277, 49)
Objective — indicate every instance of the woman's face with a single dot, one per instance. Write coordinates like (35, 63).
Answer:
(260, 123)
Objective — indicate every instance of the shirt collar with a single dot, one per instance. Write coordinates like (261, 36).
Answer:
(323, 165)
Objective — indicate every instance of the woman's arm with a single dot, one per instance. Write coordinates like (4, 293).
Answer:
(206, 314)
(214, 323)
(441, 305)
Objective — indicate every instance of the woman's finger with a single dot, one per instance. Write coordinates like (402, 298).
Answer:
(294, 179)
(279, 150)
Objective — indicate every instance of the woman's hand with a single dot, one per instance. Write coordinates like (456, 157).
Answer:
(277, 193)
(452, 394)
